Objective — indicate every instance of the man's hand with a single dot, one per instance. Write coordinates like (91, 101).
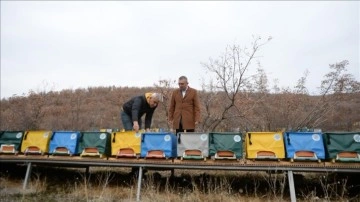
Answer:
(136, 126)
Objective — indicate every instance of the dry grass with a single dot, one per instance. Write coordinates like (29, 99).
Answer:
(115, 184)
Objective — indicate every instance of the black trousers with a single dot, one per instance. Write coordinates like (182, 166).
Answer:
(183, 130)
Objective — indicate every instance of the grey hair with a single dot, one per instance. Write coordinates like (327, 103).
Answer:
(158, 96)
(183, 78)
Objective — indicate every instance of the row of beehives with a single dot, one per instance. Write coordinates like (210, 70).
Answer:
(309, 146)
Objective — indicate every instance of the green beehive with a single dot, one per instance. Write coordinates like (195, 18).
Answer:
(10, 142)
(225, 145)
(342, 146)
(94, 144)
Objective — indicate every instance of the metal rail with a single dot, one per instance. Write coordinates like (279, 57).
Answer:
(191, 164)
(243, 165)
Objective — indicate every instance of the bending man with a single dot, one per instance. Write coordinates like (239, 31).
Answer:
(136, 107)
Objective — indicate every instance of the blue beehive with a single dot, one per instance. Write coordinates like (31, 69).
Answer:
(64, 143)
(158, 145)
(304, 145)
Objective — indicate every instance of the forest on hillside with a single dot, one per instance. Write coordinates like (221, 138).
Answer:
(99, 108)
(231, 99)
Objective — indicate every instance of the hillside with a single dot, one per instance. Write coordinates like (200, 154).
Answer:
(96, 108)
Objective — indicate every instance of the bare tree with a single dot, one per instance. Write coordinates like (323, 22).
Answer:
(335, 84)
(35, 110)
(14, 113)
(231, 99)
(231, 80)
(165, 87)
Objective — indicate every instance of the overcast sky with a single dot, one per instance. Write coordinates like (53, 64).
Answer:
(59, 45)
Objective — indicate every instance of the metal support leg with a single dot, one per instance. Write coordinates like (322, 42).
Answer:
(139, 183)
(27, 175)
(87, 171)
(291, 186)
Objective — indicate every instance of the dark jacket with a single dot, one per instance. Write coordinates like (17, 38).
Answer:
(137, 107)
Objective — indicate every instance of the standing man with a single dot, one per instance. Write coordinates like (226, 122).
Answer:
(184, 112)
(136, 107)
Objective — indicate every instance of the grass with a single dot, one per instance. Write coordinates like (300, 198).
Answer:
(116, 184)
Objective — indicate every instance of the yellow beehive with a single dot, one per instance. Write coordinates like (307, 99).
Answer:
(265, 145)
(125, 140)
(36, 140)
